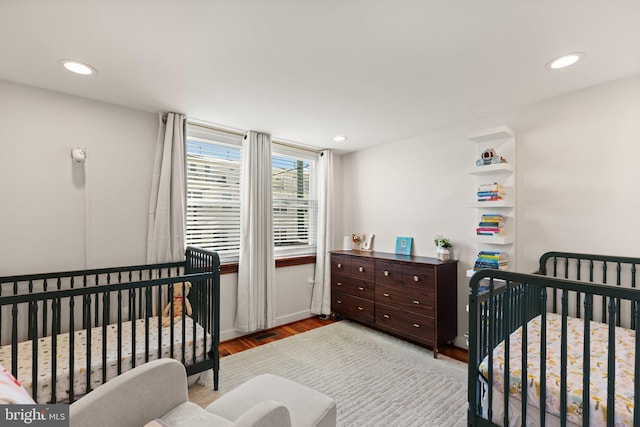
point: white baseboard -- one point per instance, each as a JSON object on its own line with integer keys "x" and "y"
{"x": 230, "y": 334}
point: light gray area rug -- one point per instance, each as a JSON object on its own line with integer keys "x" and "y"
{"x": 376, "y": 379}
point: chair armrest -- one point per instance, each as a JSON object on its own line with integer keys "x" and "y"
{"x": 125, "y": 401}
{"x": 265, "y": 414}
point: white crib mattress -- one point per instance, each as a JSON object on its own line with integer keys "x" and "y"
{"x": 44, "y": 379}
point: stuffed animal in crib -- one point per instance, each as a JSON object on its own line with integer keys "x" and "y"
{"x": 180, "y": 292}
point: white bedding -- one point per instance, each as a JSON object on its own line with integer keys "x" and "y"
{"x": 44, "y": 379}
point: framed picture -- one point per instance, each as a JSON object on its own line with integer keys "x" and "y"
{"x": 403, "y": 245}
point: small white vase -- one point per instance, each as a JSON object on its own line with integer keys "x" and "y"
{"x": 443, "y": 254}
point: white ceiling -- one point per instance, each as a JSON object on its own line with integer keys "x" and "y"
{"x": 307, "y": 70}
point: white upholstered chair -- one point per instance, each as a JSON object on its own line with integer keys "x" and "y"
{"x": 156, "y": 393}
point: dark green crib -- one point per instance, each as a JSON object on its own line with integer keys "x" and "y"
{"x": 566, "y": 286}
{"x": 69, "y": 328}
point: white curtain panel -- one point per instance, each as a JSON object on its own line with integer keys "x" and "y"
{"x": 321, "y": 297}
{"x": 256, "y": 265}
{"x": 167, "y": 207}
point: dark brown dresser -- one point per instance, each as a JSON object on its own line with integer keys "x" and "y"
{"x": 411, "y": 297}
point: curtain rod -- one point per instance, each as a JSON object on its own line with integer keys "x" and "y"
{"x": 241, "y": 133}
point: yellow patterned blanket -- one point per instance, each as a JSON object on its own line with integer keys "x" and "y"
{"x": 624, "y": 374}
{"x": 44, "y": 379}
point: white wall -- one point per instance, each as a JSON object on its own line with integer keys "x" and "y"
{"x": 56, "y": 215}
{"x": 53, "y": 209}
{"x": 578, "y": 182}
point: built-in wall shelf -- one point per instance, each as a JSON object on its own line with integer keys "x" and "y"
{"x": 497, "y": 133}
{"x": 495, "y": 240}
{"x": 499, "y": 178}
{"x": 506, "y": 203}
{"x": 491, "y": 169}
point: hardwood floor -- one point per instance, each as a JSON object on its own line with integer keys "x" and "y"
{"x": 263, "y": 337}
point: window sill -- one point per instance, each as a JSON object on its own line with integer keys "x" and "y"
{"x": 232, "y": 267}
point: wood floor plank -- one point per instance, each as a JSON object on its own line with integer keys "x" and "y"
{"x": 256, "y": 339}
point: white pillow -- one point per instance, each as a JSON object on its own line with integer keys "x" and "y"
{"x": 11, "y": 392}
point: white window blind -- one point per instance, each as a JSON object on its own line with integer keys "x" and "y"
{"x": 294, "y": 201}
{"x": 213, "y": 191}
{"x": 213, "y": 195}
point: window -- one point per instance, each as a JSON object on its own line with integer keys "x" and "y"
{"x": 213, "y": 191}
{"x": 213, "y": 195}
{"x": 295, "y": 204}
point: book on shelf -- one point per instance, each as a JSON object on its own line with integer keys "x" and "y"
{"x": 494, "y": 224}
{"x": 492, "y": 217}
{"x": 490, "y": 187}
{"x": 493, "y": 260}
{"x": 489, "y": 193}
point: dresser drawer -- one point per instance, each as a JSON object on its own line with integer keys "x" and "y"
{"x": 388, "y": 272}
{"x": 362, "y": 268}
{"x": 354, "y": 286}
{"x": 352, "y": 307}
{"x": 340, "y": 264}
{"x": 408, "y": 299}
{"x": 419, "y": 277}
{"x": 418, "y": 327}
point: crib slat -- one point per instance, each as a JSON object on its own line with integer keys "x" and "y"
{"x": 14, "y": 341}
{"x": 45, "y": 325}
{"x": 132, "y": 303}
{"x": 563, "y": 360}
{"x": 55, "y": 314}
{"x": 33, "y": 308}
{"x": 171, "y": 319}
{"x": 88, "y": 343}
{"x": 71, "y": 349}
{"x": 586, "y": 360}
{"x": 634, "y": 319}
{"x": 183, "y": 329}
{"x": 491, "y": 344}
{"x": 105, "y": 322}
{"x": 611, "y": 365}
{"x": 119, "y": 332}
{"x": 578, "y": 305}
{"x": 543, "y": 357}
{"x": 507, "y": 353}
{"x": 147, "y": 310}
{"x": 636, "y": 383}
{"x": 525, "y": 346}
{"x": 159, "y": 312}
{"x": 604, "y": 298}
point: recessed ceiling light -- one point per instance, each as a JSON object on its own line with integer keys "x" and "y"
{"x": 339, "y": 138}
{"x": 78, "y": 67}
{"x": 565, "y": 60}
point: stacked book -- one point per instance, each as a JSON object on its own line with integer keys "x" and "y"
{"x": 490, "y": 225}
{"x": 490, "y": 192}
{"x": 491, "y": 260}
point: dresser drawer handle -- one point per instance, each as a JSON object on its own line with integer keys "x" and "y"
{"x": 360, "y": 288}
{"x": 416, "y": 278}
{"x": 360, "y": 308}
{"x": 339, "y": 301}
{"x": 386, "y": 273}
{"x": 415, "y": 301}
{"x": 339, "y": 265}
{"x": 339, "y": 283}
{"x": 386, "y": 316}
{"x": 361, "y": 269}
{"x": 386, "y": 295}
{"x": 415, "y": 325}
